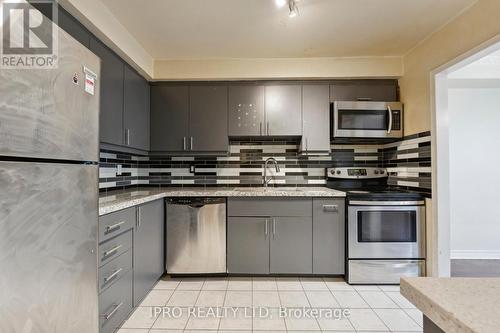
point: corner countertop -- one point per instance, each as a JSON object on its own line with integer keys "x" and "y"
{"x": 456, "y": 304}
{"x": 117, "y": 200}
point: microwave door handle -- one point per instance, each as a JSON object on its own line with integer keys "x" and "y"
{"x": 389, "y": 110}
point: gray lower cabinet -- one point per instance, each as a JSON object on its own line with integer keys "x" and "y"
{"x": 328, "y": 236}
{"x": 111, "y": 88}
{"x": 149, "y": 244}
{"x": 169, "y": 118}
{"x": 208, "y": 118}
{"x": 115, "y": 304}
{"x": 135, "y": 110}
{"x": 291, "y": 245}
{"x": 316, "y": 118}
{"x": 246, "y": 110}
{"x": 283, "y": 106}
{"x": 364, "y": 90}
{"x": 286, "y": 236}
{"x": 131, "y": 260}
{"x": 248, "y": 245}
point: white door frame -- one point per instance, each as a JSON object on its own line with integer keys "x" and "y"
{"x": 440, "y": 257}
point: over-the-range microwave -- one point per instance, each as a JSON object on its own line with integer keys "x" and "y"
{"x": 367, "y": 120}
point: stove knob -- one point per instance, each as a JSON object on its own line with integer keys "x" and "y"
{"x": 375, "y": 172}
{"x": 338, "y": 172}
{"x": 382, "y": 172}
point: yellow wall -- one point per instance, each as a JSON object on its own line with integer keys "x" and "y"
{"x": 478, "y": 24}
{"x": 276, "y": 68}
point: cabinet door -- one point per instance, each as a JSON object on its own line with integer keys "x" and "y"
{"x": 149, "y": 244}
{"x": 246, "y": 110}
{"x": 169, "y": 118}
{"x": 316, "y": 118}
{"x": 208, "y": 118}
{"x": 73, "y": 27}
{"x": 373, "y": 90}
{"x": 291, "y": 245}
{"x": 283, "y": 110}
{"x": 248, "y": 245}
{"x": 136, "y": 110}
{"x": 328, "y": 236}
{"x": 111, "y": 110}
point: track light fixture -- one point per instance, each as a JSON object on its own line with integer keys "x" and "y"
{"x": 292, "y": 6}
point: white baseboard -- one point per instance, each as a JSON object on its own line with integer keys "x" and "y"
{"x": 475, "y": 254}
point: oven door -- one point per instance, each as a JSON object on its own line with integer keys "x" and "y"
{"x": 368, "y": 120}
{"x": 386, "y": 230}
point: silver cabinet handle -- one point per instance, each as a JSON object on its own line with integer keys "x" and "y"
{"x": 128, "y": 137}
{"x": 112, "y": 312}
{"x": 139, "y": 216}
{"x": 330, "y": 208}
{"x": 274, "y": 227}
{"x": 110, "y": 228}
{"x": 112, "y": 276}
{"x": 111, "y": 251}
{"x": 268, "y": 128}
{"x": 191, "y": 144}
{"x": 266, "y": 228}
{"x": 307, "y": 144}
{"x": 184, "y": 143}
{"x": 389, "y": 110}
{"x": 260, "y": 128}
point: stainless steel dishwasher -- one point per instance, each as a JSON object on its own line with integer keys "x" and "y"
{"x": 196, "y": 235}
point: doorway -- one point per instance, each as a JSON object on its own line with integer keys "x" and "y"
{"x": 466, "y": 144}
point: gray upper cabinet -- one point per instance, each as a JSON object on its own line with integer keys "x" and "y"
{"x": 111, "y": 110}
{"x": 136, "y": 110}
{"x": 208, "y": 118}
{"x": 328, "y": 236}
{"x": 248, "y": 245}
{"x": 364, "y": 90}
{"x": 169, "y": 118}
{"x": 246, "y": 110}
{"x": 283, "y": 105}
{"x": 316, "y": 118}
{"x": 291, "y": 245}
{"x": 148, "y": 248}
{"x": 73, "y": 27}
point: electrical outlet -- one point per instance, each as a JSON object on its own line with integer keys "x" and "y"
{"x": 119, "y": 170}
{"x": 192, "y": 169}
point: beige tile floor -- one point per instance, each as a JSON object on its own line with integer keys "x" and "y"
{"x": 372, "y": 308}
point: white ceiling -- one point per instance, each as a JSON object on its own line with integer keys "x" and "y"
{"x": 208, "y": 29}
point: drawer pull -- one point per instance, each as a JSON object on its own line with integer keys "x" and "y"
{"x": 112, "y": 312}
{"x": 111, "y": 228}
{"x": 112, "y": 276}
{"x": 112, "y": 251}
{"x": 331, "y": 208}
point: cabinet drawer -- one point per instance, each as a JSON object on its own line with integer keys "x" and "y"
{"x": 115, "y": 303}
{"x": 114, "y": 270}
{"x": 114, "y": 247}
{"x": 115, "y": 223}
{"x": 269, "y": 207}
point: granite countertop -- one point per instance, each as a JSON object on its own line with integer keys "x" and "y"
{"x": 456, "y": 304}
{"x": 114, "y": 201}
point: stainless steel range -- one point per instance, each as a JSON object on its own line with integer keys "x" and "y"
{"x": 385, "y": 227}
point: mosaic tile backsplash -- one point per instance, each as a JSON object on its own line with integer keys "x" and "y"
{"x": 408, "y": 162}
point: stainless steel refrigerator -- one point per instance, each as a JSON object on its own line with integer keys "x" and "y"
{"x": 49, "y": 147}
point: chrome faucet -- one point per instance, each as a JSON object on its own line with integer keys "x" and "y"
{"x": 273, "y": 160}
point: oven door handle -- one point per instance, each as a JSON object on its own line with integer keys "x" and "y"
{"x": 389, "y": 110}
{"x": 386, "y": 203}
